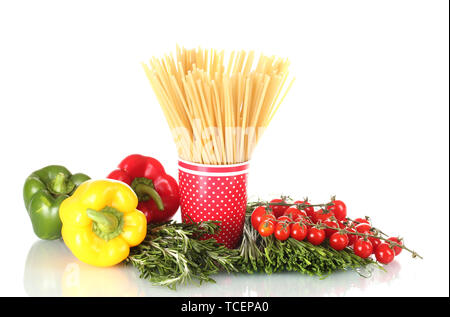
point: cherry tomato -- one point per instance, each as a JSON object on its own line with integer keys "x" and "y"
{"x": 363, "y": 228}
{"x": 299, "y": 231}
{"x": 351, "y": 237}
{"x": 284, "y": 218}
{"x": 322, "y": 215}
{"x": 309, "y": 210}
{"x": 363, "y": 248}
{"x": 338, "y": 209}
{"x": 329, "y": 232}
{"x": 282, "y": 231}
{"x": 278, "y": 210}
{"x": 397, "y": 250}
{"x": 375, "y": 243}
{"x": 338, "y": 241}
{"x": 316, "y": 235}
{"x": 293, "y": 213}
{"x": 361, "y": 220}
{"x": 304, "y": 219}
{"x": 257, "y": 216}
{"x": 266, "y": 227}
{"x": 384, "y": 253}
{"x": 269, "y": 216}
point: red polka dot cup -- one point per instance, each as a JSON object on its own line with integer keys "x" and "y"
{"x": 215, "y": 192}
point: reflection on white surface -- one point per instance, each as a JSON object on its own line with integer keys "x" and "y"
{"x": 51, "y": 270}
{"x": 43, "y": 268}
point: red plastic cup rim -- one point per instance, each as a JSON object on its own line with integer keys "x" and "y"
{"x": 215, "y": 170}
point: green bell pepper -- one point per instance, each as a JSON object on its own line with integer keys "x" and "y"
{"x": 43, "y": 192}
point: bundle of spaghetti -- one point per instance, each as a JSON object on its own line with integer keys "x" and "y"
{"x": 218, "y": 106}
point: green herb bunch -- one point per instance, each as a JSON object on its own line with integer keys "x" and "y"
{"x": 269, "y": 255}
{"x": 174, "y": 253}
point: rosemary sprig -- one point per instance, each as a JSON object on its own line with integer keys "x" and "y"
{"x": 172, "y": 254}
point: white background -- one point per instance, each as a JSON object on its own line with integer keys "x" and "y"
{"x": 367, "y": 119}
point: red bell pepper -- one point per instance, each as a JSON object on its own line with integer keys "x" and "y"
{"x": 158, "y": 193}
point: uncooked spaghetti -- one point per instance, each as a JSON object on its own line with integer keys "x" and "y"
{"x": 217, "y": 107}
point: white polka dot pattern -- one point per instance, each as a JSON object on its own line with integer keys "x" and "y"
{"x": 212, "y": 196}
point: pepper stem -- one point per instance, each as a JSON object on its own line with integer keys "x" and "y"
{"x": 61, "y": 185}
{"x": 107, "y": 223}
{"x": 143, "y": 189}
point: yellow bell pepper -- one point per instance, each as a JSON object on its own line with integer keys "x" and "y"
{"x": 100, "y": 222}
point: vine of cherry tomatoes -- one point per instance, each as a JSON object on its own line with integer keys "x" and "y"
{"x": 300, "y": 221}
